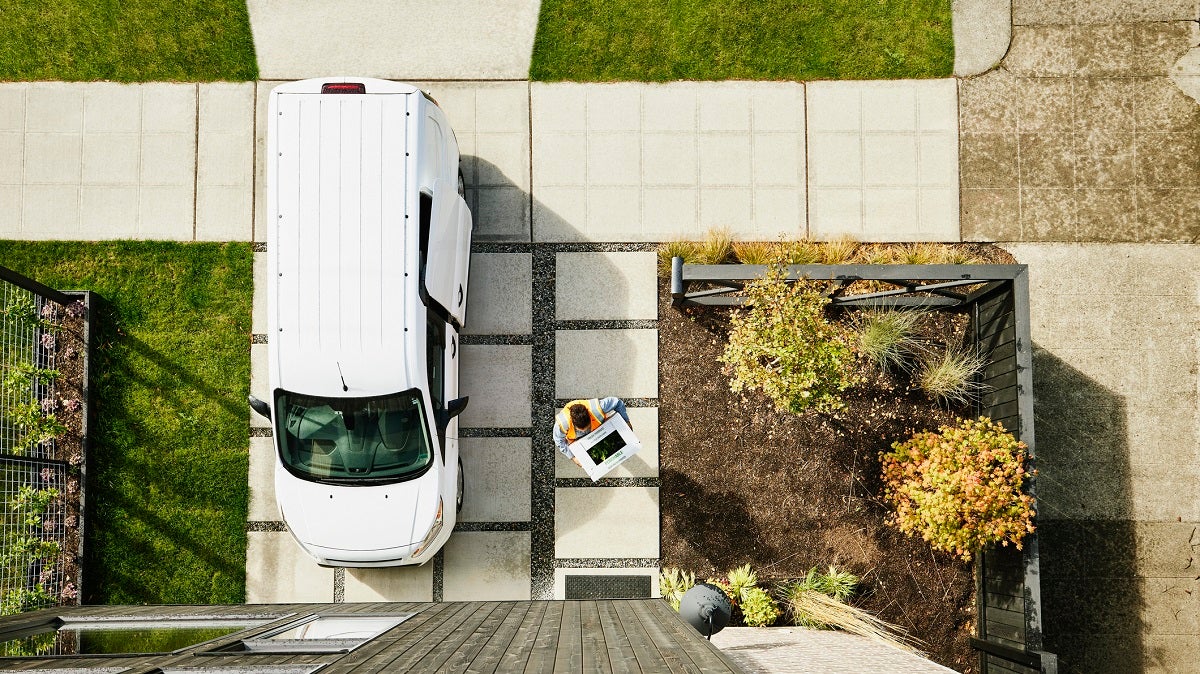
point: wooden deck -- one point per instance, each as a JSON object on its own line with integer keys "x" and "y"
{"x": 618, "y": 636}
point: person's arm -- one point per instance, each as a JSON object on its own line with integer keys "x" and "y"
{"x": 610, "y": 405}
{"x": 560, "y": 439}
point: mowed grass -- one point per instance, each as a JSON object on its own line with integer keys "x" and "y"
{"x": 167, "y": 492}
{"x": 656, "y": 40}
{"x": 126, "y": 40}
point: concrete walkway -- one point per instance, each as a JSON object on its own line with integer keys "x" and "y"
{"x": 795, "y": 650}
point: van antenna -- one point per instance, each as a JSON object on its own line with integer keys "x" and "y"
{"x": 339, "y": 364}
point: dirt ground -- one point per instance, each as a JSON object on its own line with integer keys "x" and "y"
{"x": 744, "y": 483}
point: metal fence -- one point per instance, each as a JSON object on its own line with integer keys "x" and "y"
{"x": 40, "y": 531}
{"x": 996, "y": 300}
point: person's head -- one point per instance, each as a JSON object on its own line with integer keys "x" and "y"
{"x": 580, "y": 417}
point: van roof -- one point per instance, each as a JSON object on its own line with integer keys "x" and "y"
{"x": 339, "y": 186}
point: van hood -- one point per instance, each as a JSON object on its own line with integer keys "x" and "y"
{"x": 358, "y": 518}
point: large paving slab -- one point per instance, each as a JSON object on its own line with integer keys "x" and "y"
{"x": 883, "y": 160}
{"x": 601, "y": 363}
{"x": 263, "y": 507}
{"x": 1082, "y": 135}
{"x": 653, "y": 162}
{"x": 606, "y": 522}
{"x": 259, "y": 382}
{"x": 606, "y": 286}
{"x": 496, "y": 473}
{"x": 397, "y": 583}
{"x": 982, "y": 30}
{"x": 278, "y": 571}
{"x": 395, "y": 39}
{"x": 102, "y": 160}
{"x": 499, "y": 295}
{"x": 487, "y": 566}
{"x": 258, "y": 315}
{"x": 1116, "y": 423}
{"x": 498, "y": 381}
{"x": 644, "y": 421}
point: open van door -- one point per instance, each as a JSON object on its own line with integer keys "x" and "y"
{"x": 449, "y": 256}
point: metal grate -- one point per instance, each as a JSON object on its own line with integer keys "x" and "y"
{"x": 580, "y": 586}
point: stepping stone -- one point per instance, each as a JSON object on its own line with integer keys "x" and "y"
{"x": 606, "y": 522}
{"x": 278, "y": 571}
{"x": 225, "y": 161}
{"x": 642, "y": 464}
{"x": 496, "y": 472}
{"x": 606, "y": 286}
{"x": 395, "y": 583}
{"x": 599, "y": 363}
{"x": 594, "y": 580}
{"x": 982, "y": 30}
{"x": 259, "y": 383}
{"x": 499, "y": 298}
{"x": 258, "y": 316}
{"x": 263, "y": 506}
{"x": 487, "y": 566}
{"x": 497, "y": 378}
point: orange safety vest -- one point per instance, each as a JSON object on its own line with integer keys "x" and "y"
{"x": 594, "y": 411}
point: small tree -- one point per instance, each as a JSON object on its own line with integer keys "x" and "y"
{"x": 960, "y": 488}
{"x": 782, "y": 345}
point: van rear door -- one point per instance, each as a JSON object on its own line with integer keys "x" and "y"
{"x": 449, "y": 252}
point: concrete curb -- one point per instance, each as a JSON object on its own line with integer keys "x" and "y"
{"x": 982, "y": 32}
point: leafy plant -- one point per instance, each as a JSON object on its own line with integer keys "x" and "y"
{"x": 835, "y": 583}
{"x": 740, "y": 579}
{"x": 782, "y": 345}
{"x": 33, "y": 502}
{"x": 34, "y": 425}
{"x": 838, "y": 251}
{"x": 673, "y": 584}
{"x": 960, "y": 488}
{"x": 21, "y": 600}
{"x": 756, "y": 252}
{"x": 817, "y": 610}
{"x": 688, "y": 250}
{"x": 886, "y": 336}
{"x": 716, "y": 248}
{"x": 758, "y": 608}
{"x": 948, "y": 375}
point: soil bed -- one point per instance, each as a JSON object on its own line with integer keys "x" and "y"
{"x": 745, "y": 483}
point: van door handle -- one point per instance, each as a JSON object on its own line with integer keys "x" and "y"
{"x": 460, "y": 295}
{"x": 453, "y": 347}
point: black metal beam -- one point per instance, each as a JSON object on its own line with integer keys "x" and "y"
{"x": 879, "y": 272}
{"x": 1019, "y": 656}
{"x": 35, "y": 287}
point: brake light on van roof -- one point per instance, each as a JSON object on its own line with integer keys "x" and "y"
{"x": 343, "y": 88}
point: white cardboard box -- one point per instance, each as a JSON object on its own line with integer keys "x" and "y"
{"x": 614, "y": 424}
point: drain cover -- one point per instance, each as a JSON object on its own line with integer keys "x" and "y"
{"x": 608, "y": 587}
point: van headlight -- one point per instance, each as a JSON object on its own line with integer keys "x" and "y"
{"x": 433, "y": 531}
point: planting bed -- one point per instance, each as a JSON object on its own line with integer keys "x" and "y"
{"x": 745, "y": 483}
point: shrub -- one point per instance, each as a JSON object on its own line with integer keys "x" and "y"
{"x": 960, "y": 488}
{"x": 673, "y": 584}
{"x": 782, "y": 345}
{"x": 948, "y": 375}
{"x": 886, "y": 336}
{"x": 756, "y": 252}
{"x": 716, "y": 248}
{"x": 758, "y": 608}
{"x": 688, "y": 250}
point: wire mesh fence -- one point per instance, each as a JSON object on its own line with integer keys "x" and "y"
{"x": 39, "y": 490}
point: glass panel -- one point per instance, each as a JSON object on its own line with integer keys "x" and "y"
{"x": 361, "y": 628}
{"x": 156, "y": 636}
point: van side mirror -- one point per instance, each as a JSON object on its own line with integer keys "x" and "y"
{"x": 453, "y": 408}
{"x": 263, "y": 409}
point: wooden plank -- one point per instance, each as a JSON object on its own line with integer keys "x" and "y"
{"x": 489, "y": 655}
{"x": 1005, "y": 602}
{"x": 648, "y": 657}
{"x": 621, "y": 658}
{"x": 1004, "y": 616}
{"x": 544, "y": 649}
{"x": 412, "y": 655}
{"x": 700, "y": 650}
{"x": 595, "y": 649}
{"x": 668, "y": 648}
{"x": 465, "y": 641}
{"x": 378, "y": 654}
{"x": 1000, "y": 323}
{"x": 1013, "y": 634}
{"x": 569, "y": 657}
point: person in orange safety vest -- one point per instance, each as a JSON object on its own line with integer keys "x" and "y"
{"x": 580, "y": 417}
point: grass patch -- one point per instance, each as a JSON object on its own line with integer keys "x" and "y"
{"x": 127, "y": 41}
{"x": 654, "y": 41}
{"x": 167, "y": 493}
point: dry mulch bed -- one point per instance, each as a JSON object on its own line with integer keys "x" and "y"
{"x": 745, "y": 483}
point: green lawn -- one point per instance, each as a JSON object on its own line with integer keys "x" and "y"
{"x": 126, "y": 40}
{"x": 657, "y": 40}
{"x": 167, "y": 494}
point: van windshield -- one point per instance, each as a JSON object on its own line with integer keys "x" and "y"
{"x": 348, "y": 440}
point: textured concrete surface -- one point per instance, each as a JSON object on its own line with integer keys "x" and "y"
{"x": 498, "y": 380}
{"x": 259, "y": 382}
{"x": 258, "y": 315}
{"x": 487, "y": 566}
{"x": 405, "y": 39}
{"x": 606, "y": 286}
{"x": 263, "y": 507}
{"x": 401, "y": 583}
{"x": 496, "y": 473}
{"x": 1116, "y": 361}
{"x": 795, "y": 650}
{"x": 278, "y": 571}
{"x": 560, "y": 576}
{"x": 1082, "y": 136}
{"x": 225, "y": 161}
{"x": 652, "y": 162}
{"x": 982, "y": 30}
{"x": 644, "y": 421}
{"x": 609, "y": 522}
{"x": 883, "y": 160}
{"x": 1185, "y": 74}
{"x": 499, "y": 300}
{"x": 600, "y": 363}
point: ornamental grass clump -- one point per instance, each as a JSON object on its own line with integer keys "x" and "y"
{"x": 757, "y": 252}
{"x": 961, "y": 488}
{"x": 948, "y": 375}
{"x": 688, "y": 250}
{"x": 716, "y": 248}
{"x": 887, "y": 337}
{"x": 781, "y": 344}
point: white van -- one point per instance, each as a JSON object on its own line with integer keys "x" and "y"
{"x": 368, "y": 244}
